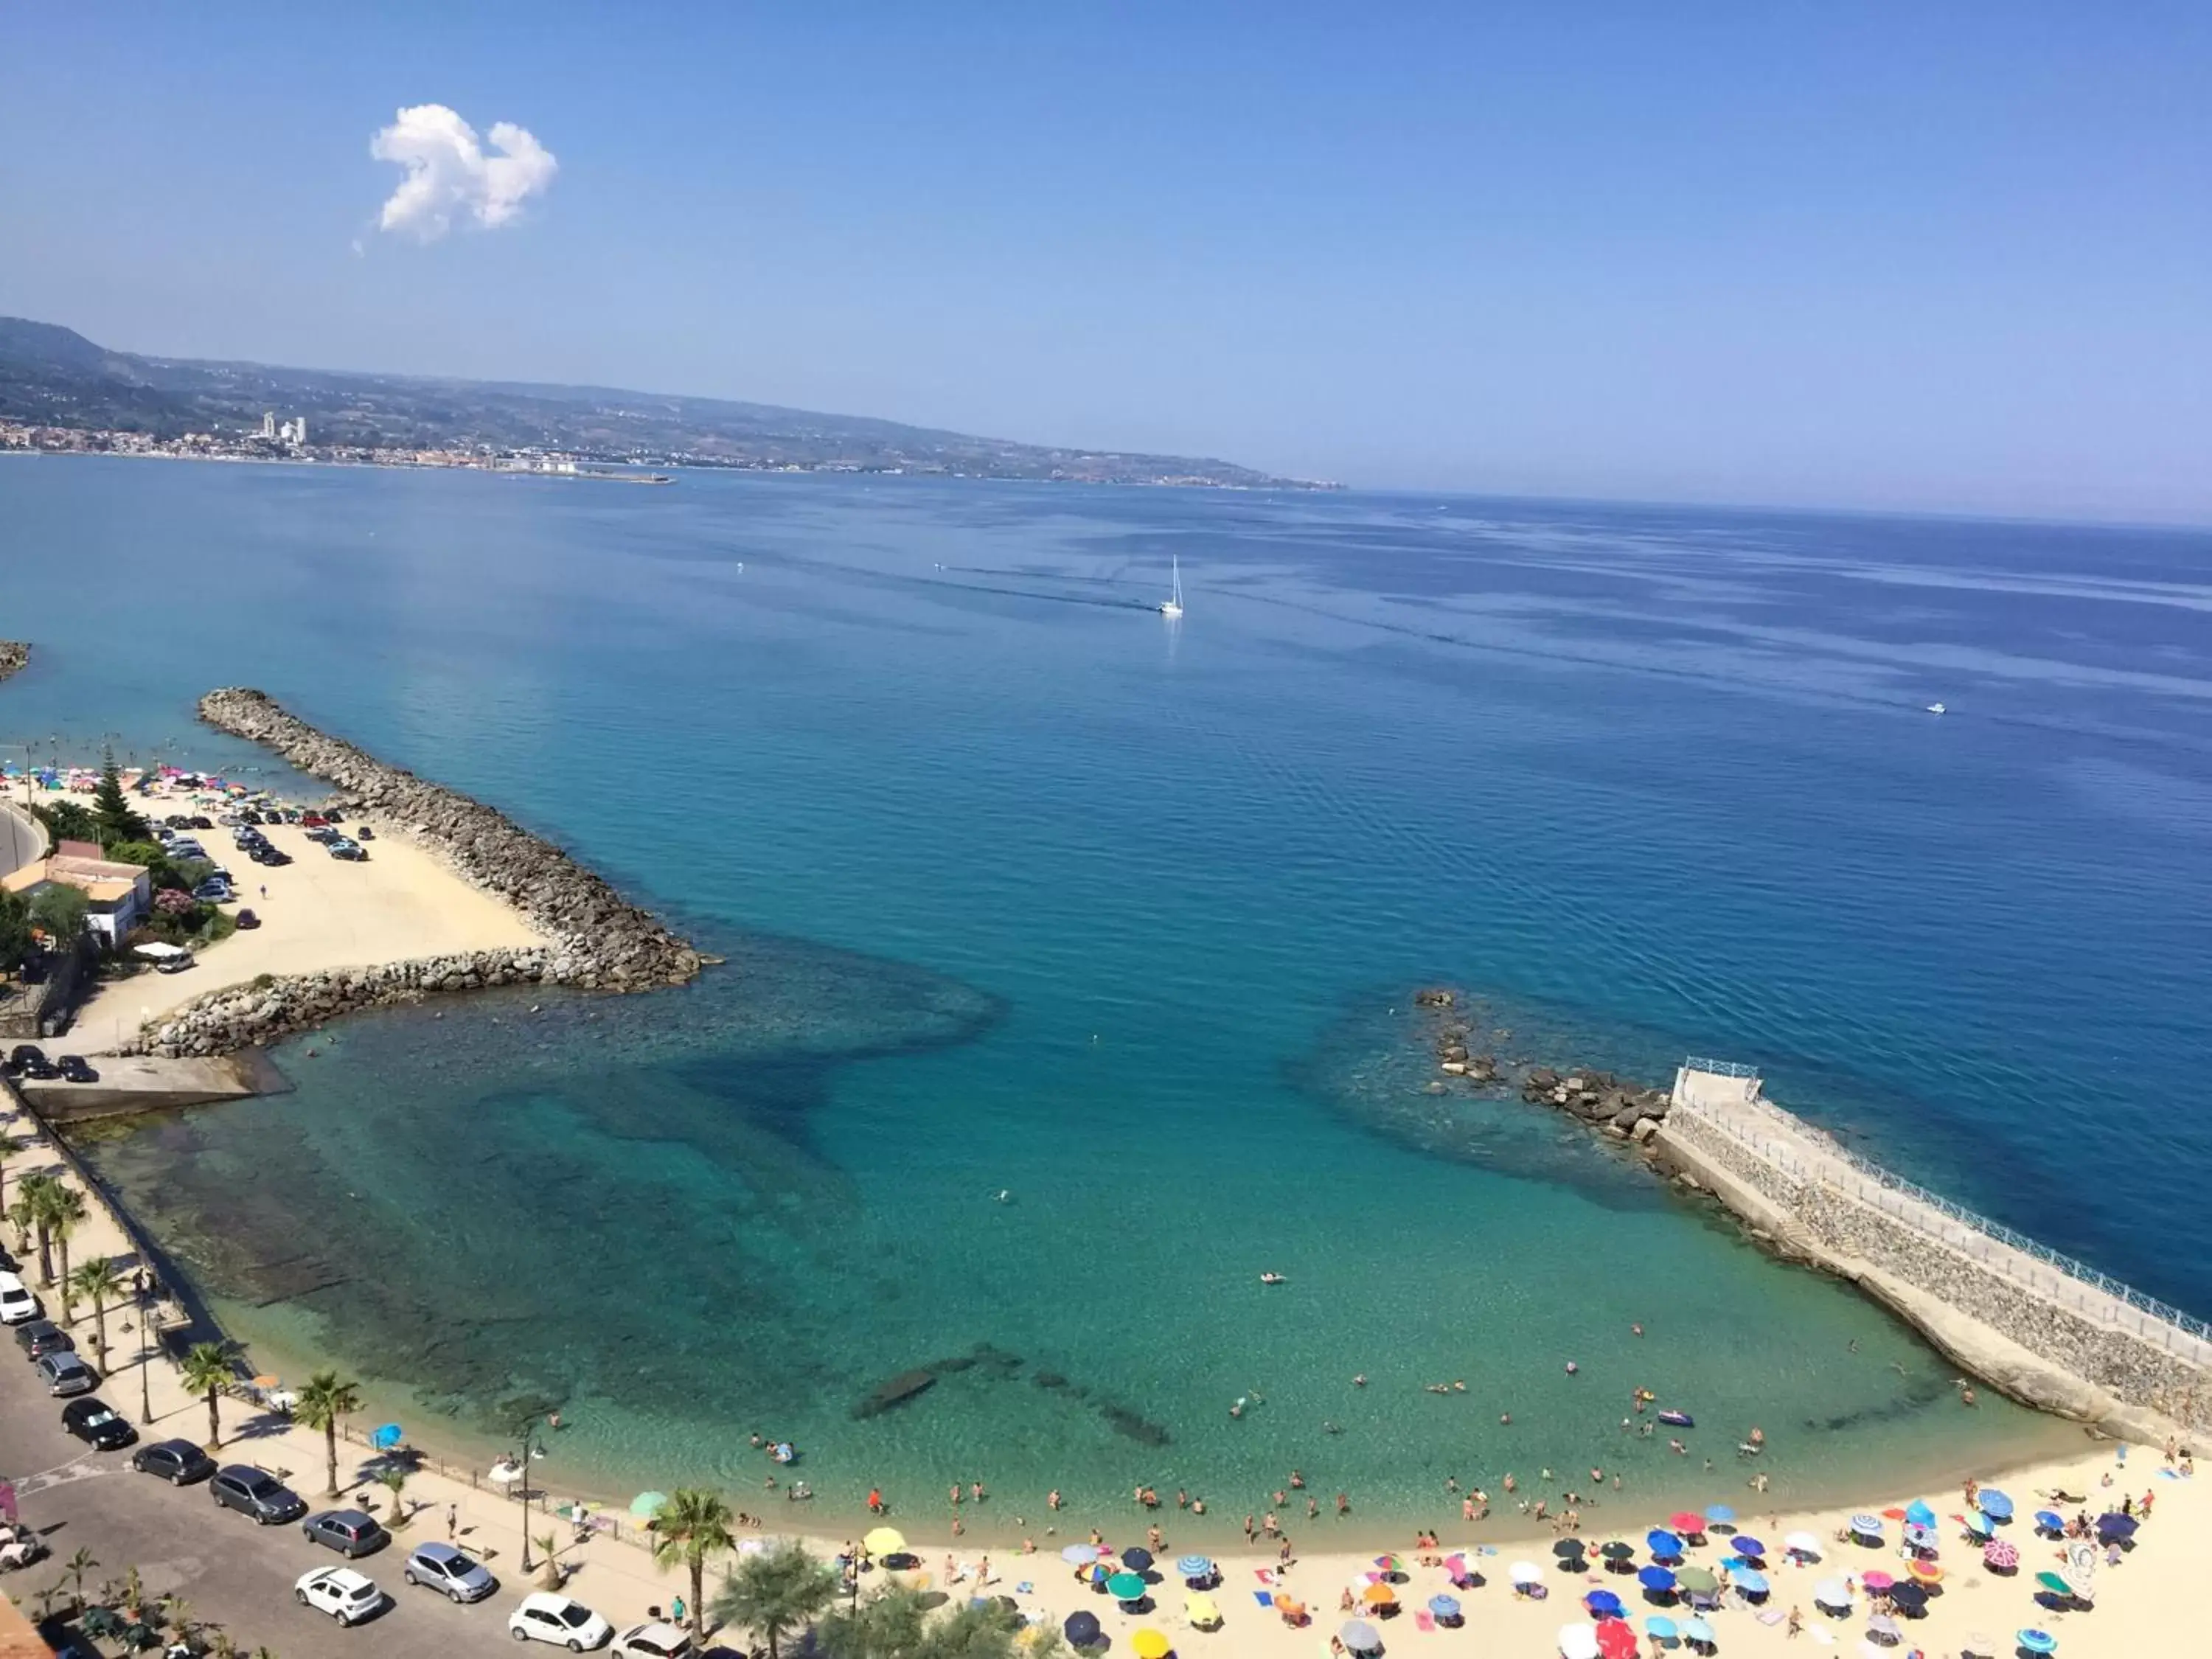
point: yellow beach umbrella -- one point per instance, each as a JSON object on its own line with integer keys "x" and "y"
{"x": 885, "y": 1540}
{"x": 1201, "y": 1611}
{"x": 1149, "y": 1643}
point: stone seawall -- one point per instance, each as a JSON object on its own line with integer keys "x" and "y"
{"x": 598, "y": 939}
{"x": 14, "y": 654}
{"x": 2022, "y": 1338}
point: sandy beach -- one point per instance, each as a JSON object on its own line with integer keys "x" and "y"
{"x": 316, "y": 913}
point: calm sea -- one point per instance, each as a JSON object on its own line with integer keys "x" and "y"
{"x": 1070, "y": 951}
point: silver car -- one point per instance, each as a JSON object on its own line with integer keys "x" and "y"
{"x": 63, "y": 1372}
{"x": 449, "y": 1572}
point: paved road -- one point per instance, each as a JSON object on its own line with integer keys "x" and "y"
{"x": 233, "y": 1572}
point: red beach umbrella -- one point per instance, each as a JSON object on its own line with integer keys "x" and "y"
{"x": 1616, "y": 1639}
{"x": 1895, "y": 1514}
{"x": 1687, "y": 1524}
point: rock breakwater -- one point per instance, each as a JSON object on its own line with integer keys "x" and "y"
{"x": 14, "y": 654}
{"x": 597, "y": 940}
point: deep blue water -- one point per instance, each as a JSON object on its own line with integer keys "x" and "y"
{"x": 1032, "y": 890}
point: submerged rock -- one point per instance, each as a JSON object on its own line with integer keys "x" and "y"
{"x": 896, "y": 1391}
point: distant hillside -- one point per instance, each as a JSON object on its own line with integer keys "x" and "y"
{"x": 53, "y": 376}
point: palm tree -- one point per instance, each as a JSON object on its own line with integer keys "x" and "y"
{"x": 884, "y": 1626}
{"x": 76, "y": 1566}
{"x": 774, "y": 1593}
{"x": 32, "y": 1202}
{"x": 10, "y": 1145}
{"x": 65, "y": 1209}
{"x": 207, "y": 1370}
{"x": 175, "y": 1614}
{"x": 394, "y": 1481}
{"x": 97, "y": 1282}
{"x": 24, "y": 1214}
{"x": 690, "y": 1527}
{"x": 321, "y": 1404}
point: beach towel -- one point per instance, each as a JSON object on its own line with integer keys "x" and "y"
{"x": 1263, "y": 1598}
{"x": 1265, "y": 1575}
{"x": 1771, "y": 1616}
{"x": 1424, "y": 1621}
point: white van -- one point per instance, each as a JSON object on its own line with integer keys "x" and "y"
{"x": 17, "y": 1304}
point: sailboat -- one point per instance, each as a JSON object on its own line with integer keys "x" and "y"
{"x": 1173, "y": 607}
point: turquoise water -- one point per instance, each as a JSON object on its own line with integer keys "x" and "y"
{"x": 1028, "y": 891}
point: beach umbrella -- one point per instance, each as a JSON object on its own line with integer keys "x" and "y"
{"x": 1928, "y": 1572}
{"x": 1526, "y": 1572}
{"x": 890, "y": 1540}
{"x": 1803, "y": 1544}
{"x": 1196, "y": 1566}
{"x": 1877, "y": 1582}
{"x": 647, "y": 1504}
{"x": 1616, "y": 1640}
{"x": 1293, "y": 1610}
{"x": 1603, "y": 1604}
{"x": 1444, "y": 1606}
{"x": 1698, "y": 1579}
{"x": 1882, "y": 1625}
{"x": 2116, "y": 1525}
{"x": 2000, "y": 1555}
{"x": 1136, "y": 1560}
{"x": 1995, "y": 1504}
{"x": 1150, "y": 1644}
{"x": 2037, "y": 1641}
{"x": 1617, "y": 1550}
{"x": 1661, "y": 1628}
{"x": 1096, "y": 1573}
{"x": 1567, "y": 1549}
{"x": 1697, "y": 1630}
{"x": 1720, "y": 1515}
{"x": 1081, "y": 1629}
{"x": 1379, "y": 1595}
{"x": 2050, "y": 1522}
{"x": 1664, "y": 1544}
{"x": 1907, "y": 1598}
{"x": 1201, "y": 1611}
{"x": 1360, "y": 1636}
{"x": 1076, "y": 1555}
{"x": 1578, "y": 1642}
{"x": 1748, "y": 1546}
{"x": 1689, "y": 1525}
{"x": 1125, "y": 1587}
{"x": 1978, "y": 1525}
{"x": 1921, "y": 1538}
{"x": 2056, "y": 1583}
{"x": 1751, "y": 1584}
{"x": 1658, "y": 1580}
{"x": 1392, "y": 1564}
{"x": 1832, "y": 1593}
{"x": 1866, "y": 1526}
{"x": 384, "y": 1438}
{"x": 1917, "y": 1514}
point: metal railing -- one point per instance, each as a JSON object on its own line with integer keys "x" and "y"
{"x": 1973, "y": 1234}
{"x": 1719, "y": 1067}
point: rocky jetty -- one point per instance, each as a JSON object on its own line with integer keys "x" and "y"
{"x": 13, "y": 655}
{"x": 598, "y": 939}
{"x": 1616, "y": 1106}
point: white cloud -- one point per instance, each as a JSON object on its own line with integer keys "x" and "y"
{"x": 449, "y": 177}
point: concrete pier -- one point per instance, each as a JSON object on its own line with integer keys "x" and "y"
{"x": 2049, "y": 1331}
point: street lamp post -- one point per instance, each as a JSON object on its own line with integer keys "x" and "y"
{"x": 530, "y": 1437}
{"x": 145, "y": 1357}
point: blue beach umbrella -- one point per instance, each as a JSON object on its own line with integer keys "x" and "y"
{"x": 1444, "y": 1606}
{"x": 385, "y": 1438}
{"x": 1658, "y": 1580}
{"x": 1751, "y": 1584}
{"x": 1662, "y": 1628}
{"x": 1995, "y": 1504}
{"x": 1749, "y": 1547}
{"x": 1917, "y": 1514}
{"x": 1981, "y": 1525}
{"x": 1921, "y": 1537}
{"x": 2045, "y": 1521}
{"x": 1080, "y": 1555}
{"x": 1604, "y": 1603}
{"x": 1697, "y": 1630}
{"x": 1196, "y": 1566}
{"x": 1664, "y": 1544}
{"x": 2116, "y": 1525}
{"x": 1081, "y": 1628}
{"x": 1721, "y": 1516}
{"x": 2037, "y": 1641}
{"x": 1866, "y": 1526}
{"x": 1136, "y": 1560}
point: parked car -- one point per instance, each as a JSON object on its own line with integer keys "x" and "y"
{"x": 175, "y": 964}
{"x": 42, "y": 1337}
{"x": 23, "y": 1055}
{"x": 353, "y": 852}
{"x": 364, "y": 834}
{"x": 248, "y": 920}
{"x": 212, "y": 891}
{"x": 348, "y": 1597}
{"x": 17, "y": 1304}
{"x": 654, "y": 1641}
{"x": 181, "y": 848}
{"x": 64, "y": 1372}
{"x": 93, "y": 1421}
{"x": 349, "y": 1532}
{"x": 314, "y": 820}
{"x": 255, "y": 1492}
{"x": 451, "y": 1572}
{"x": 179, "y": 1462}
{"x": 74, "y": 1068}
{"x": 544, "y": 1617}
{"x": 197, "y": 822}
{"x": 324, "y": 833}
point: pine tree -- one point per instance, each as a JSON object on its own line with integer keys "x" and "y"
{"x": 112, "y": 807}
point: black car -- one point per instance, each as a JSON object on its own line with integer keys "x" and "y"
{"x": 256, "y": 1492}
{"x": 73, "y": 1069}
{"x": 349, "y": 1532}
{"x": 39, "y": 1070}
{"x": 179, "y": 1462}
{"x": 200, "y": 823}
{"x": 40, "y": 1337}
{"x": 365, "y": 833}
{"x": 25, "y": 1054}
{"x": 246, "y": 920}
{"x": 94, "y": 1420}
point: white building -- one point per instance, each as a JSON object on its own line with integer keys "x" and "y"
{"x": 268, "y": 422}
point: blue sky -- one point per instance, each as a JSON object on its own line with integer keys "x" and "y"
{"x": 1955, "y": 257}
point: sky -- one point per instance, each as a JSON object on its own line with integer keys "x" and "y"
{"x": 1953, "y": 257}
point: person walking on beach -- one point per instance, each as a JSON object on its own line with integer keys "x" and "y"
{"x": 453, "y": 1521}
{"x": 1797, "y": 1622}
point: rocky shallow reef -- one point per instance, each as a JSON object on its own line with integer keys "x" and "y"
{"x": 598, "y": 939}
{"x": 14, "y": 656}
